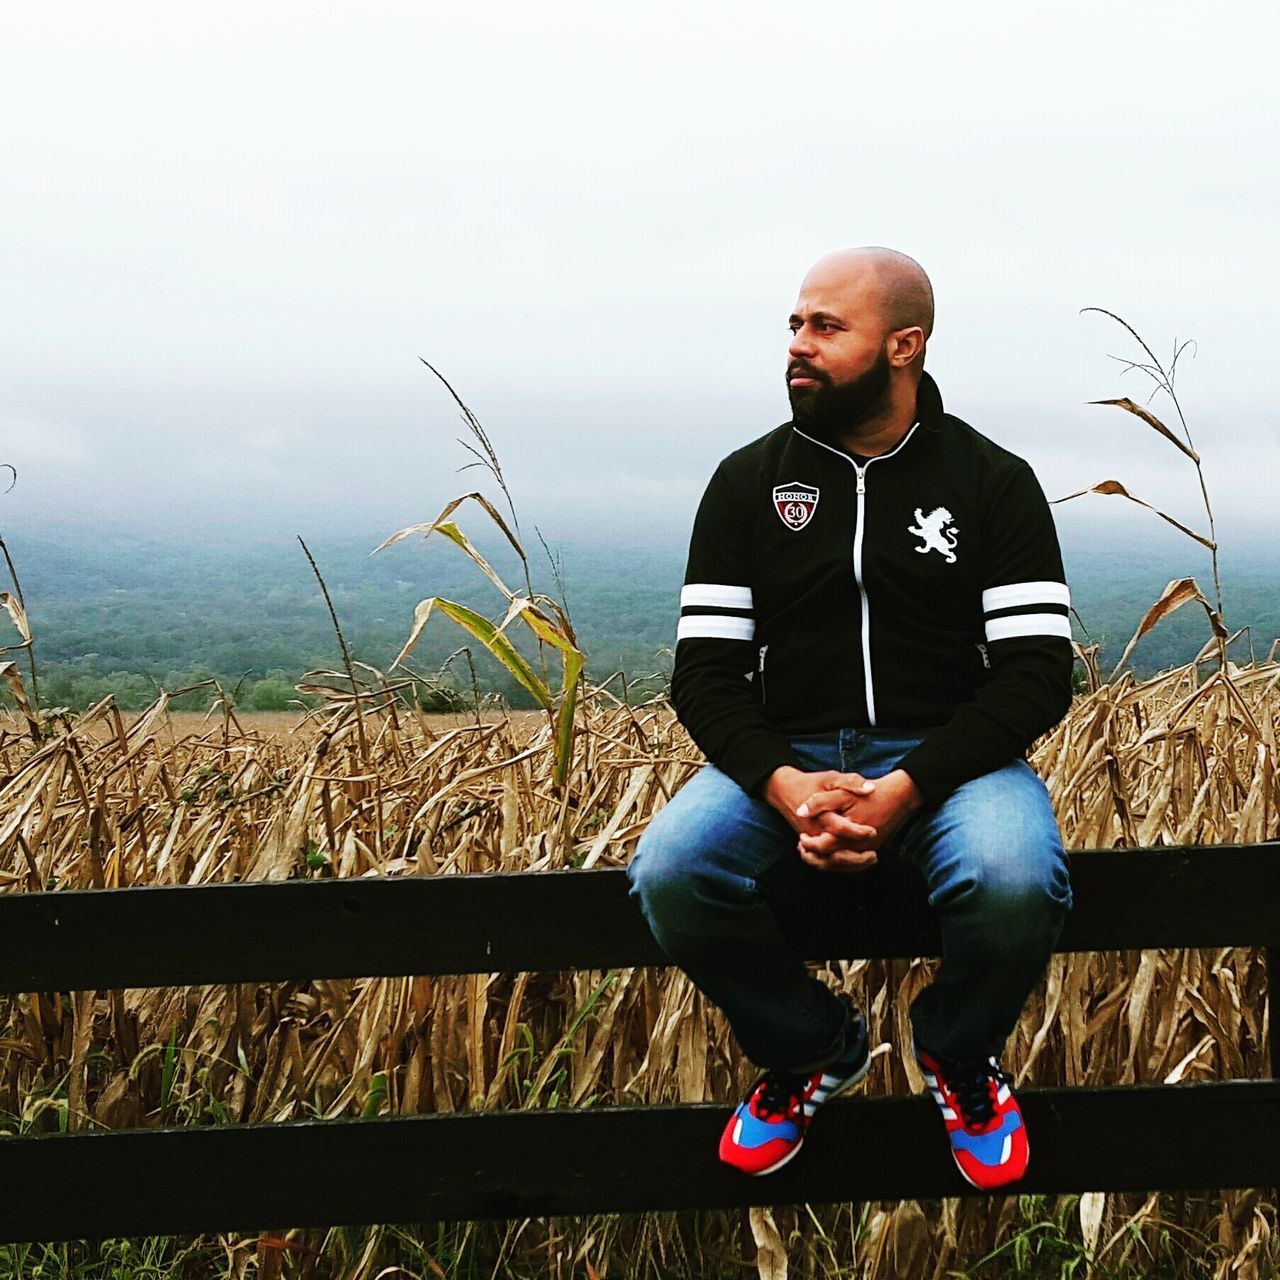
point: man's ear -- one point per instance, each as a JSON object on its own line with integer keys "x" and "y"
{"x": 905, "y": 346}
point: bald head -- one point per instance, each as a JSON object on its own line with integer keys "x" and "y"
{"x": 894, "y": 284}
{"x": 858, "y": 336}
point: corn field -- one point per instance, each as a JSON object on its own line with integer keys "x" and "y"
{"x": 89, "y": 801}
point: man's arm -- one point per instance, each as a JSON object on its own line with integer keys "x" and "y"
{"x": 1028, "y": 643}
{"x": 710, "y": 689}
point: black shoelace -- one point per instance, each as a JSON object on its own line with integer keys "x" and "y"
{"x": 975, "y": 1089}
{"x": 781, "y": 1089}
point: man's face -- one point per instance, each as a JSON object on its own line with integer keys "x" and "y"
{"x": 837, "y": 362}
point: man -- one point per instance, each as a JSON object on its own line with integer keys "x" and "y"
{"x": 873, "y": 630}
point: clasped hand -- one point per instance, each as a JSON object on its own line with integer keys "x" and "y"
{"x": 841, "y": 818}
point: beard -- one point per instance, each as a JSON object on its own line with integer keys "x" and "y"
{"x": 829, "y": 411}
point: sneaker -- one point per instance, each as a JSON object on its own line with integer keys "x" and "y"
{"x": 769, "y": 1125}
{"x": 988, "y": 1136}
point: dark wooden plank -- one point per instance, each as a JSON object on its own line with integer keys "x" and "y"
{"x": 297, "y": 930}
{"x": 1215, "y": 896}
{"x": 511, "y": 1165}
{"x": 173, "y": 936}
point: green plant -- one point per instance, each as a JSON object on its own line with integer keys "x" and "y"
{"x": 545, "y": 618}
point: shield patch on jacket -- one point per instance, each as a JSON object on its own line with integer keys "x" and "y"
{"x": 795, "y": 504}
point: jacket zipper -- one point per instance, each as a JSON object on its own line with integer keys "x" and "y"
{"x": 860, "y": 472}
{"x": 764, "y": 648}
{"x": 862, "y": 590}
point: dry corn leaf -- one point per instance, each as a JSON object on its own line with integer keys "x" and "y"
{"x": 13, "y": 607}
{"x": 1152, "y": 421}
{"x": 1179, "y": 592}
{"x": 1116, "y": 488}
{"x": 1093, "y": 1205}
{"x": 771, "y": 1253}
{"x": 9, "y": 670}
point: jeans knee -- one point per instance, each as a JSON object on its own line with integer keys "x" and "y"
{"x": 646, "y": 873}
{"x": 682, "y": 889}
{"x": 659, "y": 880}
{"x": 1000, "y": 846}
{"x": 1020, "y": 898}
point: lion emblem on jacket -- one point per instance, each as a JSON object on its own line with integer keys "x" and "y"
{"x": 936, "y": 532}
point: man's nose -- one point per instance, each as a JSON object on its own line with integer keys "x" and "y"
{"x": 801, "y": 343}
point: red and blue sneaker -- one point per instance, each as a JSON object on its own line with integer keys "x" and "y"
{"x": 769, "y": 1125}
{"x": 988, "y": 1136}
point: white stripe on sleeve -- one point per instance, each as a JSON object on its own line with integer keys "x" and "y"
{"x": 714, "y": 626}
{"x": 716, "y": 595}
{"x": 1016, "y": 593}
{"x": 1028, "y": 624}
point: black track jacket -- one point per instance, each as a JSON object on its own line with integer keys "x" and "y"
{"x": 921, "y": 589}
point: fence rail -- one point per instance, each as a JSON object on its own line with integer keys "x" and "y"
{"x": 159, "y": 936}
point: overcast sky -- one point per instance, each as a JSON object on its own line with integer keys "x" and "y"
{"x": 227, "y": 233}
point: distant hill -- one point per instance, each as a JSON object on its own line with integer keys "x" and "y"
{"x": 125, "y": 613}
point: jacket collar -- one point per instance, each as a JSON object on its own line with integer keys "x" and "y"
{"x": 929, "y": 403}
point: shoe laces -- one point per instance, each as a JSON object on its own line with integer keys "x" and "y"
{"x": 975, "y": 1086}
{"x": 778, "y": 1091}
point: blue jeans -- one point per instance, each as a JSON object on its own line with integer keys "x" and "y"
{"x": 991, "y": 860}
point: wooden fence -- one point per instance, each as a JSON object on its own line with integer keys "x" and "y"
{"x": 601, "y": 1159}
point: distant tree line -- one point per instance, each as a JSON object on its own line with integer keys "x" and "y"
{"x": 127, "y": 617}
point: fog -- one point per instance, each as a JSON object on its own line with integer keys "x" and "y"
{"x": 228, "y": 236}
